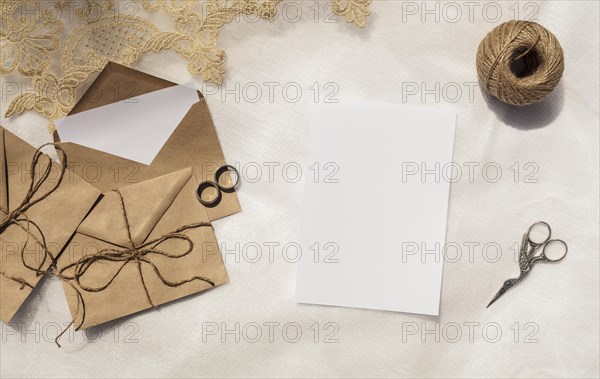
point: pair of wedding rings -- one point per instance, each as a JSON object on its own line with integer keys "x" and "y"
{"x": 218, "y": 187}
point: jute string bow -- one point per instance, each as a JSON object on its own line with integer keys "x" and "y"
{"x": 34, "y": 186}
{"x": 18, "y": 218}
{"x": 137, "y": 254}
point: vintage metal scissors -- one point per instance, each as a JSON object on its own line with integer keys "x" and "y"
{"x": 533, "y": 250}
{"x": 218, "y": 186}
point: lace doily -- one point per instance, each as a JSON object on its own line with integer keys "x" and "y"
{"x": 32, "y": 32}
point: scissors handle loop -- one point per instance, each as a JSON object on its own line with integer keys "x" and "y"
{"x": 537, "y": 224}
{"x": 545, "y": 257}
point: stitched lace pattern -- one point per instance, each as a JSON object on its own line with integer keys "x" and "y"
{"x": 34, "y": 35}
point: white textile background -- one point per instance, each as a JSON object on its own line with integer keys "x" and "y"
{"x": 547, "y": 156}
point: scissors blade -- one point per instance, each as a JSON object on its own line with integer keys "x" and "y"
{"x": 523, "y": 251}
{"x": 497, "y": 296}
{"x": 524, "y": 244}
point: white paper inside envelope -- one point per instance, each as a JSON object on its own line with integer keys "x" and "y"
{"x": 135, "y": 128}
{"x": 375, "y": 217}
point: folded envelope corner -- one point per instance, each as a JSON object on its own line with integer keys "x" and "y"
{"x": 143, "y": 204}
{"x": 194, "y": 142}
{"x": 43, "y": 204}
{"x": 3, "y": 176}
{"x": 179, "y": 257}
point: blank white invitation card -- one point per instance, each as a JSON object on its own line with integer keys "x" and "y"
{"x": 136, "y": 128}
{"x": 375, "y": 207}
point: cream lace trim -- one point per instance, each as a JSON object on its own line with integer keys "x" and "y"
{"x": 120, "y": 31}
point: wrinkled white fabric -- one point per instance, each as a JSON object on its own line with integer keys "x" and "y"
{"x": 548, "y": 156}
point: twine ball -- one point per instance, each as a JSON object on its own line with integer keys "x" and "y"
{"x": 520, "y": 62}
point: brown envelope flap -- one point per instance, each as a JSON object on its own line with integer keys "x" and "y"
{"x": 145, "y": 204}
{"x": 3, "y": 175}
{"x": 131, "y": 83}
{"x": 193, "y": 143}
{"x": 18, "y": 155}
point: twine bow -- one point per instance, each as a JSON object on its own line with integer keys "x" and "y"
{"x": 137, "y": 254}
{"x": 19, "y": 218}
{"x": 41, "y": 241}
{"x": 34, "y": 186}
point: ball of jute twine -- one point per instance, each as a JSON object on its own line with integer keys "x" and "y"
{"x": 520, "y": 62}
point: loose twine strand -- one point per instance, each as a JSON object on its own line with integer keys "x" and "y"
{"x": 34, "y": 185}
{"x": 18, "y": 217}
{"x": 525, "y": 42}
{"x": 134, "y": 253}
{"x": 137, "y": 254}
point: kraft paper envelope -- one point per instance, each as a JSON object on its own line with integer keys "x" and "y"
{"x": 53, "y": 219}
{"x": 135, "y": 129}
{"x": 194, "y": 143}
{"x": 114, "y": 277}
